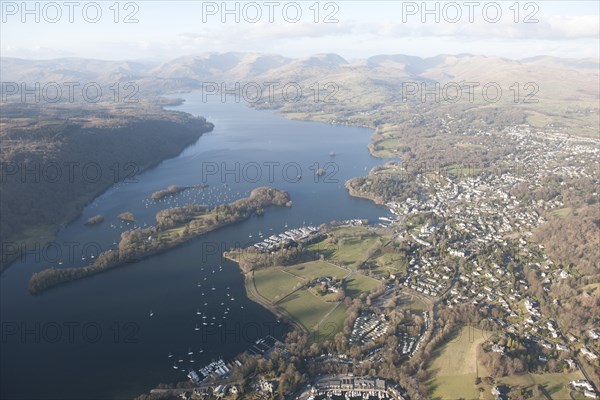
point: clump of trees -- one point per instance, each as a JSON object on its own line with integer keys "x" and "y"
{"x": 171, "y": 190}
{"x": 95, "y": 220}
{"x": 126, "y": 217}
{"x": 171, "y": 217}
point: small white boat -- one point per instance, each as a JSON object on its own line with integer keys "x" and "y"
{"x": 151, "y": 313}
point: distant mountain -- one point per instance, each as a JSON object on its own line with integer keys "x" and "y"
{"x": 547, "y": 61}
{"x": 63, "y": 69}
{"x": 566, "y": 78}
{"x": 212, "y": 66}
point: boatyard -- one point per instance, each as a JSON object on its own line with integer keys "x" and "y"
{"x": 285, "y": 239}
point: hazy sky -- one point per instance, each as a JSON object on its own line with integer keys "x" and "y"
{"x": 354, "y": 29}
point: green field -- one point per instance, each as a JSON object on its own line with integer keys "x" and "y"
{"x": 331, "y": 325}
{"x": 411, "y": 302}
{"x": 350, "y": 250}
{"x": 278, "y": 285}
{"x": 273, "y": 283}
{"x": 316, "y": 269}
{"x": 562, "y": 212}
{"x": 556, "y": 385}
{"x": 454, "y": 366}
{"x": 358, "y": 283}
{"x": 305, "y": 307}
{"x": 391, "y": 263}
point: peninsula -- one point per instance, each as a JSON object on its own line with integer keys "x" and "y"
{"x": 174, "y": 226}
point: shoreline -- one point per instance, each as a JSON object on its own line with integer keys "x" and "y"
{"x": 51, "y": 231}
{"x": 133, "y": 247}
{"x": 355, "y": 193}
{"x": 253, "y": 295}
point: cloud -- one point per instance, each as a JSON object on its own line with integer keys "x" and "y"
{"x": 554, "y": 27}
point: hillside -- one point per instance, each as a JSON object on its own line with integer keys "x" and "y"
{"x": 57, "y": 143}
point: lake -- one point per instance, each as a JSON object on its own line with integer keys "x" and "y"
{"x": 95, "y": 338}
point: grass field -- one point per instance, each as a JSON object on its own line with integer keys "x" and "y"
{"x": 454, "y": 366}
{"x": 273, "y": 282}
{"x": 277, "y": 284}
{"x": 556, "y": 385}
{"x": 390, "y": 263}
{"x": 358, "y": 283}
{"x": 562, "y": 212}
{"x": 353, "y": 243}
{"x": 410, "y": 302}
{"x": 390, "y": 144}
{"x": 316, "y": 269}
{"x": 305, "y": 307}
{"x": 331, "y": 325}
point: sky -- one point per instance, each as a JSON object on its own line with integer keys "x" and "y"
{"x": 160, "y": 30}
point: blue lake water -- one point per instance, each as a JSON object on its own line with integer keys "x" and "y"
{"x": 95, "y": 338}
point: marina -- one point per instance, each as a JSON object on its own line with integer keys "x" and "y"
{"x": 286, "y": 239}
